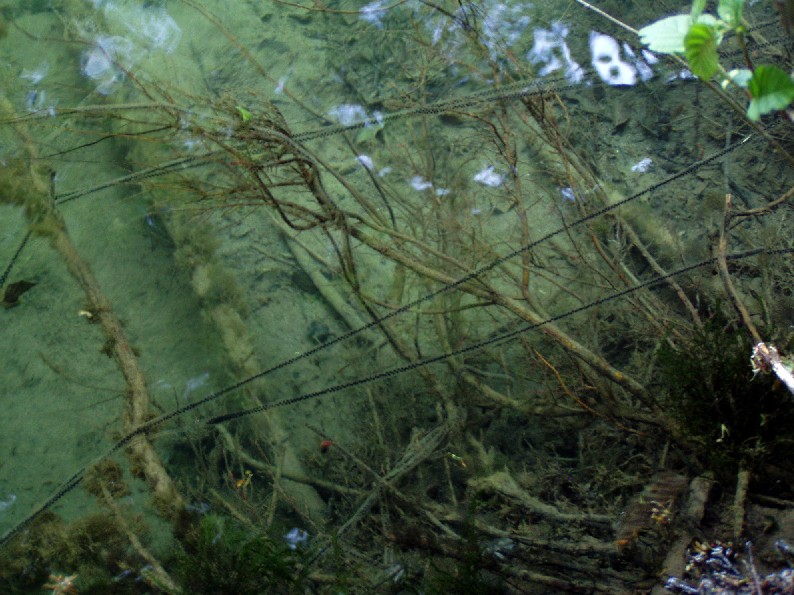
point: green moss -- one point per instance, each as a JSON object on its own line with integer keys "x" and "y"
{"x": 216, "y": 285}
{"x": 92, "y": 547}
{"x": 17, "y": 187}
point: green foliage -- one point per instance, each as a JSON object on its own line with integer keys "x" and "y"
{"x": 700, "y": 48}
{"x": 697, "y": 35}
{"x": 245, "y": 115}
{"x": 221, "y": 557}
{"x": 730, "y": 11}
{"x": 698, "y": 6}
{"x": 772, "y": 90}
{"x": 467, "y": 571}
{"x": 718, "y": 403}
{"x": 667, "y": 35}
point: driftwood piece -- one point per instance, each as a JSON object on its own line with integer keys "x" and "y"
{"x": 690, "y": 516}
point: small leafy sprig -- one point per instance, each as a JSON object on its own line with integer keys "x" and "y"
{"x": 697, "y": 35}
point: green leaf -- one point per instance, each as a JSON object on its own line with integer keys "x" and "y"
{"x": 666, "y": 36}
{"x": 245, "y": 115}
{"x": 700, "y": 48}
{"x": 730, "y": 11}
{"x": 697, "y": 9}
{"x": 711, "y": 21}
{"x": 771, "y": 89}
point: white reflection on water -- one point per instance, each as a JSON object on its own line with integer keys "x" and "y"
{"x": 552, "y": 52}
{"x": 608, "y": 63}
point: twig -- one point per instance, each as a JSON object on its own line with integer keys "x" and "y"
{"x": 609, "y": 17}
{"x": 279, "y": 470}
{"x": 161, "y": 580}
{"x": 414, "y": 455}
{"x": 39, "y": 202}
{"x": 580, "y": 402}
{"x": 635, "y": 239}
{"x": 722, "y": 262}
{"x": 769, "y": 206}
{"x": 739, "y": 499}
{"x": 326, "y": 288}
{"x": 255, "y": 463}
{"x": 757, "y": 590}
{"x": 765, "y": 357}
{"x": 502, "y": 483}
{"x": 243, "y": 518}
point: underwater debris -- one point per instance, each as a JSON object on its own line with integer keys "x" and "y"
{"x": 643, "y": 165}
{"x": 61, "y": 584}
{"x": 653, "y": 508}
{"x": 717, "y": 569}
{"x": 296, "y": 537}
{"x": 14, "y": 291}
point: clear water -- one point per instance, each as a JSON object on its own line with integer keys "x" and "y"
{"x": 213, "y": 285}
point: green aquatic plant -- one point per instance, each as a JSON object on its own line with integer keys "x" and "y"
{"x": 739, "y": 419}
{"x": 220, "y": 556}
